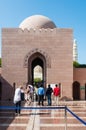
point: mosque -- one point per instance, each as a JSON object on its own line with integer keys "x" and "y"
{"x": 39, "y": 42}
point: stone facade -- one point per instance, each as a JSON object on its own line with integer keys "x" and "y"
{"x": 79, "y": 76}
{"x": 20, "y": 48}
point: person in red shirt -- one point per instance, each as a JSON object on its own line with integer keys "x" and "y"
{"x": 56, "y": 93}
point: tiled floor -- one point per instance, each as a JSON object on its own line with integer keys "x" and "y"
{"x": 44, "y": 119}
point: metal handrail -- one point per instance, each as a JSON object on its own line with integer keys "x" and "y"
{"x": 66, "y": 109}
{"x": 77, "y": 117}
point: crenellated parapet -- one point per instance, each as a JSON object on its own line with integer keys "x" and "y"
{"x": 34, "y": 31}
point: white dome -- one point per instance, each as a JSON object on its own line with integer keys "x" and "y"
{"x": 37, "y": 22}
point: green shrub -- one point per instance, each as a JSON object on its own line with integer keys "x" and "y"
{"x": 77, "y": 65}
{"x": 37, "y": 80}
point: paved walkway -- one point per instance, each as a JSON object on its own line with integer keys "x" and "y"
{"x": 44, "y": 119}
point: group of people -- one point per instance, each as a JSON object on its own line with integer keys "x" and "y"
{"x": 56, "y": 93}
{"x": 22, "y": 95}
{"x": 41, "y": 92}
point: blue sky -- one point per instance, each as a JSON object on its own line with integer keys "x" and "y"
{"x": 64, "y": 13}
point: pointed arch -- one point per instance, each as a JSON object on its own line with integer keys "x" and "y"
{"x": 37, "y": 50}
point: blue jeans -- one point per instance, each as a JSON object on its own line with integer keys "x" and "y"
{"x": 18, "y": 105}
{"x": 49, "y": 100}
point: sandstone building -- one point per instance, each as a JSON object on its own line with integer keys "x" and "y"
{"x": 37, "y": 41}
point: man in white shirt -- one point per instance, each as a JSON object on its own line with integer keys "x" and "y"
{"x": 17, "y": 99}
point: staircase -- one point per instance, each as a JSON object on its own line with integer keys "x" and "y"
{"x": 44, "y": 119}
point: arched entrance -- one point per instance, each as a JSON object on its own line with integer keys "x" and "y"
{"x": 33, "y": 61}
{"x": 76, "y": 90}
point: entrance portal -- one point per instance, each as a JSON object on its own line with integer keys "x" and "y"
{"x": 76, "y": 90}
{"x": 36, "y": 59}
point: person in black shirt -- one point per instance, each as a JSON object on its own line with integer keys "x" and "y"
{"x": 49, "y": 91}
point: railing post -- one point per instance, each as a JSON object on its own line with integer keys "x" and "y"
{"x": 65, "y": 118}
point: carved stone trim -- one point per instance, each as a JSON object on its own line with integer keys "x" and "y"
{"x": 37, "y": 50}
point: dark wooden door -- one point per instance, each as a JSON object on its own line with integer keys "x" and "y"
{"x": 76, "y": 91}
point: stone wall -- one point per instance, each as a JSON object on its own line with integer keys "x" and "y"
{"x": 80, "y": 76}
{"x": 54, "y": 44}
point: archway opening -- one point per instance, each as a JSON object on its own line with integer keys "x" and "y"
{"x": 38, "y": 72}
{"x": 76, "y": 90}
{"x": 37, "y": 68}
